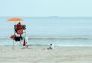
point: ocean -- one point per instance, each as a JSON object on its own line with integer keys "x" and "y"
{"x": 60, "y": 31}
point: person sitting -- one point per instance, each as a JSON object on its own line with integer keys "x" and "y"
{"x": 18, "y": 34}
{"x": 19, "y": 28}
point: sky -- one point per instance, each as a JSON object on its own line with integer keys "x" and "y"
{"x": 44, "y": 8}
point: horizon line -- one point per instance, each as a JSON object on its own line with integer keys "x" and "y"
{"x": 45, "y": 17}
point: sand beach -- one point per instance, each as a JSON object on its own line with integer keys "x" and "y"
{"x": 40, "y": 54}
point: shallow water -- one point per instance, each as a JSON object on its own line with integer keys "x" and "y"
{"x": 56, "y": 42}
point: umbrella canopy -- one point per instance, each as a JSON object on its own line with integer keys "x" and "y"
{"x": 15, "y": 19}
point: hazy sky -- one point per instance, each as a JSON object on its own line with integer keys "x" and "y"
{"x": 64, "y": 8}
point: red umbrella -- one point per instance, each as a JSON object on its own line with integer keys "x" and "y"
{"x": 15, "y": 19}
